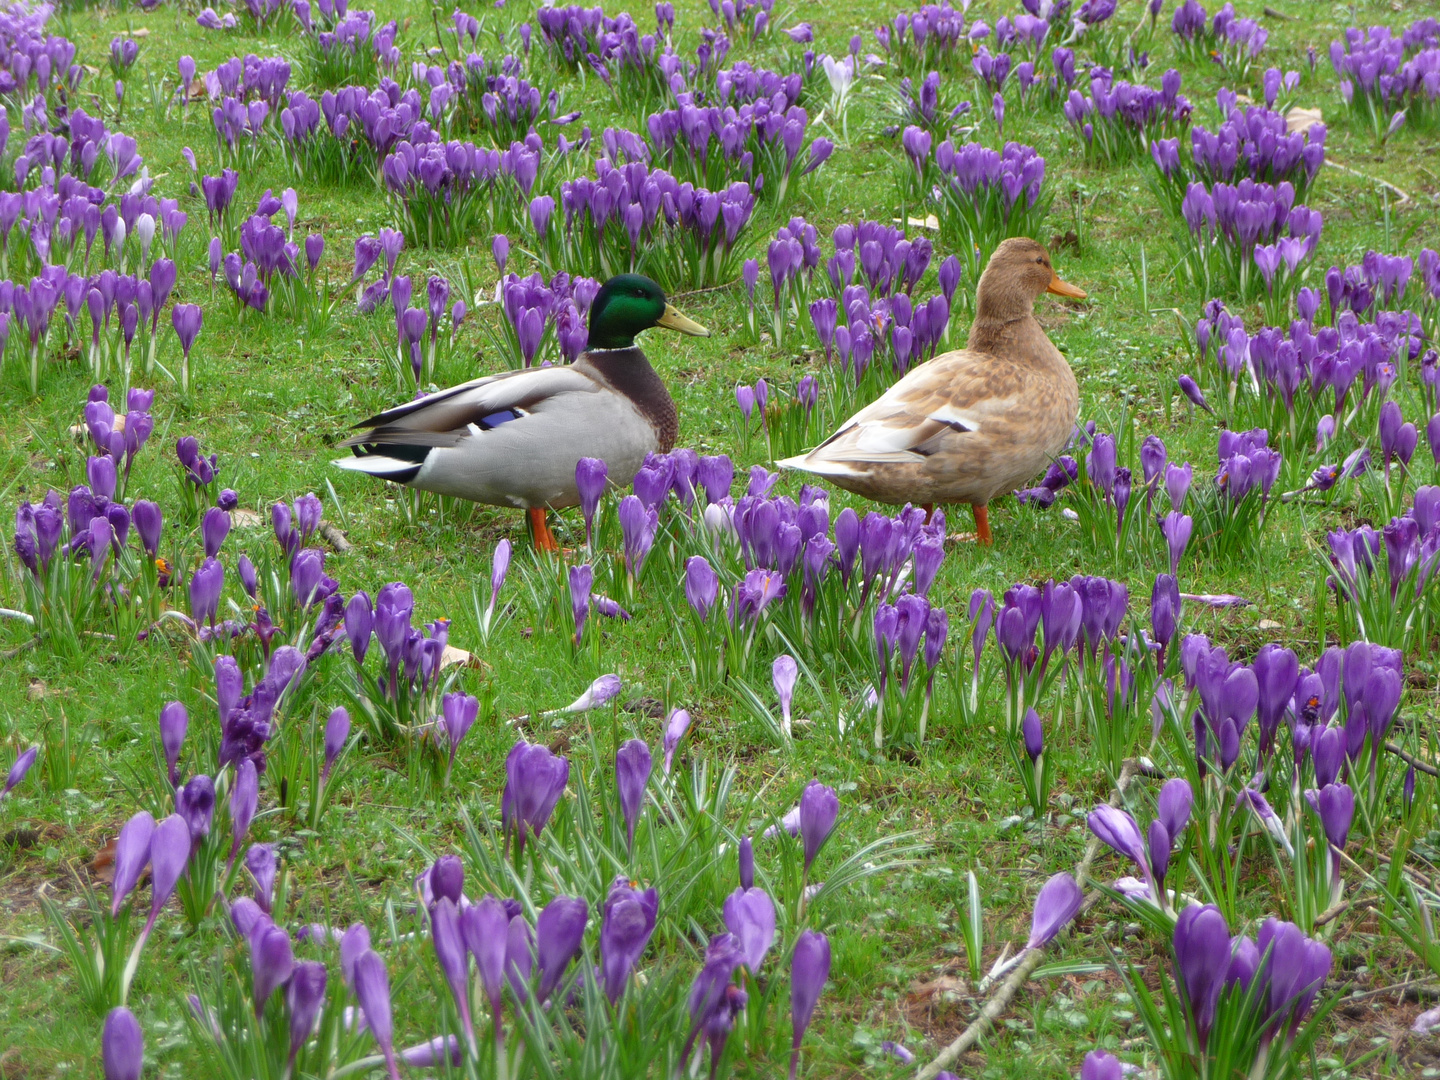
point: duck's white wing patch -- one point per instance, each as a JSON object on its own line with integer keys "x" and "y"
{"x": 956, "y": 418}
{"x": 879, "y": 437}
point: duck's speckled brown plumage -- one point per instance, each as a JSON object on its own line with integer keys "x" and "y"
{"x": 970, "y": 424}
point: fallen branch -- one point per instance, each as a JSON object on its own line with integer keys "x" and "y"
{"x": 1404, "y": 196}
{"x": 10, "y": 654}
{"x": 1410, "y": 759}
{"x": 1029, "y": 960}
{"x": 336, "y": 538}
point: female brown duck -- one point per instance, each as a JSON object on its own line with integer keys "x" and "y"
{"x": 970, "y": 424}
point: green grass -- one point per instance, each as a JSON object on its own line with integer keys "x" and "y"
{"x": 272, "y": 399}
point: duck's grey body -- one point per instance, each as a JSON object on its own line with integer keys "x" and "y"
{"x": 514, "y": 439}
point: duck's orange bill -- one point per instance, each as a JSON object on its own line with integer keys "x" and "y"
{"x": 1064, "y": 288}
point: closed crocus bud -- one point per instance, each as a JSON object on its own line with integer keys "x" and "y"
{"x": 784, "y": 673}
{"x": 458, "y": 713}
{"x": 122, "y": 1045}
{"x": 702, "y": 586}
{"x": 195, "y": 802}
{"x": 750, "y": 916}
{"x": 372, "y": 988}
{"x": 214, "y": 527}
{"x": 484, "y": 927}
{"x": 819, "y": 808}
{"x": 1335, "y": 804}
{"x": 304, "y": 997}
{"x": 1117, "y": 829}
{"x": 260, "y": 861}
{"x": 249, "y": 580}
{"x": 174, "y": 721}
{"x": 169, "y": 855}
{"x": 747, "y": 864}
{"x": 447, "y": 879}
{"x": 359, "y": 622}
{"x": 1057, "y": 903}
{"x": 632, "y": 773}
{"x": 559, "y": 930}
{"x": 272, "y": 962}
{"x": 627, "y": 922}
{"x": 590, "y": 479}
{"x": 22, "y": 766}
{"x": 1173, "y": 807}
{"x": 1158, "y": 842}
{"x": 1202, "y": 953}
{"x": 675, "y": 727}
{"x": 449, "y": 942}
{"x": 132, "y": 855}
{"x": 1033, "y": 734}
{"x": 1191, "y": 390}
{"x": 244, "y": 800}
{"x": 148, "y": 522}
{"x": 354, "y": 942}
{"x": 809, "y": 968}
{"x": 337, "y": 732}
{"x": 1099, "y": 1065}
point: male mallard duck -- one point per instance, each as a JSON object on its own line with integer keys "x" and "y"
{"x": 973, "y": 423}
{"x": 514, "y": 439}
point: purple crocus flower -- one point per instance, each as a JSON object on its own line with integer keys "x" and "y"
{"x": 590, "y": 479}
{"x": 559, "y": 930}
{"x": 750, "y": 917}
{"x": 450, "y": 952}
{"x": 174, "y": 720}
{"x": 1058, "y": 902}
{"x": 783, "y": 673}
{"x": 1202, "y": 954}
{"x": 1099, "y": 1065}
{"x": 535, "y": 779}
{"x": 372, "y": 988}
{"x": 702, "y": 586}
{"x": 303, "y": 998}
{"x": 132, "y": 855}
{"x": 485, "y": 927}
{"x": 582, "y": 578}
{"x": 675, "y": 728}
{"x": 337, "y": 733}
{"x": 272, "y": 962}
{"x": 627, "y": 921}
{"x": 1191, "y": 390}
{"x": 632, "y": 772}
{"x": 122, "y": 1045}
{"x": 260, "y": 861}
{"x": 746, "y": 858}
{"x": 819, "y": 807}
{"x": 809, "y": 968}
{"x": 17, "y": 772}
{"x": 458, "y": 713}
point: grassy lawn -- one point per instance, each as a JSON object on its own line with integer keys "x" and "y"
{"x": 272, "y": 392}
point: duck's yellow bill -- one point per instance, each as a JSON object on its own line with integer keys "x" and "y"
{"x": 673, "y": 320}
{"x": 1064, "y": 288}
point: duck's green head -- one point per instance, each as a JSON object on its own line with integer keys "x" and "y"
{"x": 628, "y": 304}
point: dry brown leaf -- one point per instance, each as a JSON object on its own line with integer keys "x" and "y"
{"x": 1298, "y": 119}
{"x": 245, "y": 519}
{"x": 103, "y": 864}
{"x": 943, "y": 984}
{"x": 452, "y": 656}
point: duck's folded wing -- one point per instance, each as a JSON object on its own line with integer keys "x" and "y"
{"x": 925, "y": 409}
{"x": 444, "y": 418}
